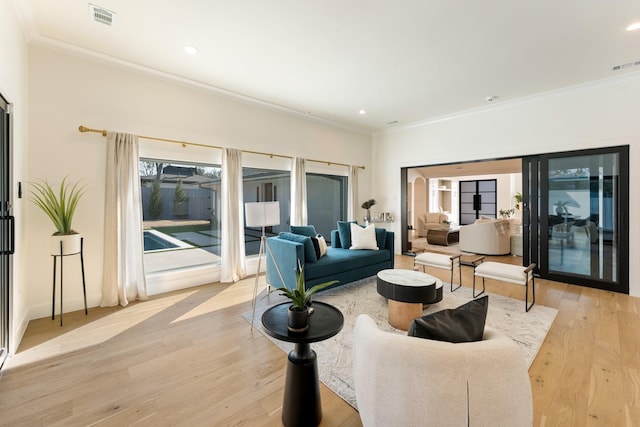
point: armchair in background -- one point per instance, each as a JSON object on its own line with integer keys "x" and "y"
{"x": 429, "y": 220}
{"x": 486, "y": 237}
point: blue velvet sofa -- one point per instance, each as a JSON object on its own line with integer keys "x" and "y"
{"x": 339, "y": 263}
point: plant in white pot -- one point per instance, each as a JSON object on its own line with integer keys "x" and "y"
{"x": 299, "y": 310}
{"x": 60, "y": 206}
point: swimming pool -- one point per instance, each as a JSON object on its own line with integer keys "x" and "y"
{"x": 156, "y": 241}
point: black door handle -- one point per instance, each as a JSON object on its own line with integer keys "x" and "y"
{"x": 477, "y": 202}
{"x": 11, "y": 229}
{"x": 12, "y": 232}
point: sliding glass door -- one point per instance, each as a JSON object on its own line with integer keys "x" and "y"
{"x": 6, "y": 228}
{"x": 576, "y": 216}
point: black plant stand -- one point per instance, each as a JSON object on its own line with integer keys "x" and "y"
{"x": 301, "y": 405}
{"x": 84, "y": 287}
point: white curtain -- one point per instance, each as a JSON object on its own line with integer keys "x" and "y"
{"x": 352, "y": 198}
{"x": 123, "y": 276}
{"x": 298, "y": 192}
{"x": 232, "y": 251}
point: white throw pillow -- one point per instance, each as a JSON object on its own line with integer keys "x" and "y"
{"x": 322, "y": 244}
{"x": 363, "y": 238}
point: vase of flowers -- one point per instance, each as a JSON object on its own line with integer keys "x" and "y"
{"x": 367, "y": 205}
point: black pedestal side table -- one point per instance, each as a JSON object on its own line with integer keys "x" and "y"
{"x": 301, "y": 405}
{"x": 84, "y": 287}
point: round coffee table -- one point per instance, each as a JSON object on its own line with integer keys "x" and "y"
{"x": 407, "y": 291}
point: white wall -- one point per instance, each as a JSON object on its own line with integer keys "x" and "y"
{"x": 597, "y": 115}
{"x": 13, "y": 86}
{"x": 68, "y": 90}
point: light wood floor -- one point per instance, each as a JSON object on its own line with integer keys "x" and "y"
{"x": 188, "y": 358}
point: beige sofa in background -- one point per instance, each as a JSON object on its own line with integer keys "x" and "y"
{"x": 486, "y": 237}
{"x": 429, "y": 220}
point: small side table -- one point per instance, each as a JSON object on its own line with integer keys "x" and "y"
{"x": 301, "y": 405}
{"x": 84, "y": 287}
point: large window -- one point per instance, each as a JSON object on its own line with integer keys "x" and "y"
{"x": 181, "y": 210}
{"x": 326, "y": 202}
{"x": 266, "y": 185}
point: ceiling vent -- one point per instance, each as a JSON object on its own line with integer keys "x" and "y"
{"x": 625, "y": 66}
{"x": 101, "y": 15}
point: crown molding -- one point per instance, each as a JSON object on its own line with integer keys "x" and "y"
{"x": 64, "y": 47}
{"x": 634, "y": 75}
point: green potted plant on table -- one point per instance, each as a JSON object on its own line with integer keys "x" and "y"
{"x": 60, "y": 207}
{"x": 518, "y": 198}
{"x": 300, "y": 310}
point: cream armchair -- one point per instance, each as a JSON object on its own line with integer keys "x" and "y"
{"x": 408, "y": 381}
{"x": 429, "y": 220}
{"x": 486, "y": 237}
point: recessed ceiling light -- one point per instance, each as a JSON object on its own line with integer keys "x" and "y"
{"x": 362, "y": 112}
{"x": 634, "y": 26}
{"x": 190, "y": 49}
{"x": 491, "y": 98}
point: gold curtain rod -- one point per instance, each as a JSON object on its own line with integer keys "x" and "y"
{"x": 193, "y": 144}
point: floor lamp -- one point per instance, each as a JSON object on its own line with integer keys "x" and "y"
{"x": 261, "y": 214}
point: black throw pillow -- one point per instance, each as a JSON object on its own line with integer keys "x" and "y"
{"x": 462, "y": 324}
{"x": 316, "y": 246}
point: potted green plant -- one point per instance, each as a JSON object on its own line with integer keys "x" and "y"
{"x": 60, "y": 206}
{"x": 299, "y": 310}
{"x": 518, "y": 197}
{"x": 506, "y": 213}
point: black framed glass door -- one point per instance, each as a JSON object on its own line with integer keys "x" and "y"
{"x": 477, "y": 197}
{"x": 6, "y": 227}
{"x": 576, "y": 215}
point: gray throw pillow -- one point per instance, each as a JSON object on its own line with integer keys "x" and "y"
{"x": 304, "y": 230}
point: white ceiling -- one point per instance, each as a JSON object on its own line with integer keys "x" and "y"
{"x": 403, "y": 60}
{"x": 468, "y": 169}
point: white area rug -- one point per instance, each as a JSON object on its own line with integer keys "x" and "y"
{"x": 334, "y": 355}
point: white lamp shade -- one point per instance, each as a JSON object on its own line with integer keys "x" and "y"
{"x": 262, "y": 214}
